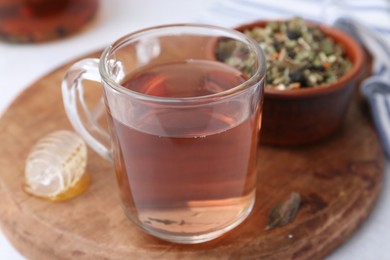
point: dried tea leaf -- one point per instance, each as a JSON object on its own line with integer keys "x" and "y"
{"x": 285, "y": 212}
{"x": 298, "y": 54}
{"x": 163, "y": 221}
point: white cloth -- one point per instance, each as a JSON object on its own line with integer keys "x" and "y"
{"x": 374, "y": 13}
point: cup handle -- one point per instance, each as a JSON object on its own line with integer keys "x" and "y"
{"x": 84, "y": 120}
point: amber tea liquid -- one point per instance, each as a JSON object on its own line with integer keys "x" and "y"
{"x": 188, "y": 170}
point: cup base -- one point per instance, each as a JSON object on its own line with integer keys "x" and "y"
{"x": 195, "y": 238}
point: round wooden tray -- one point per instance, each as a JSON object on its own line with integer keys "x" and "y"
{"x": 339, "y": 180}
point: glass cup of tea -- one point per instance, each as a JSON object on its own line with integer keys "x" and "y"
{"x": 183, "y": 127}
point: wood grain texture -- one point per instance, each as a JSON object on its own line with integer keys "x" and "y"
{"x": 339, "y": 180}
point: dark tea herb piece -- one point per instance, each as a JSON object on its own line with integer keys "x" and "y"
{"x": 298, "y": 55}
{"x": 163, "y": 221}
{"x": 285, "y": 212}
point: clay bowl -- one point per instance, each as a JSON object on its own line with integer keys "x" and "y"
{"x": 302, "y": 116}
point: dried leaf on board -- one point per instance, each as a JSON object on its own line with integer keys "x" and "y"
{"x": 285, "y": 212}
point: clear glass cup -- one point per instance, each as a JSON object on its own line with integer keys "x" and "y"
{"x": 183, "y": 127}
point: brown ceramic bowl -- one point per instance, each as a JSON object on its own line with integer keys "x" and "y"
{"x": 301, "y": 116}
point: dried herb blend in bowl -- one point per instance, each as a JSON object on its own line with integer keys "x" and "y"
{"x": 299, "y": 55}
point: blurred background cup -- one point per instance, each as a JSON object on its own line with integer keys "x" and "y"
{"x": 27, "y": 21}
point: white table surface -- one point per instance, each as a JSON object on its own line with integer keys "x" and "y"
{"x": 20, "y": 65}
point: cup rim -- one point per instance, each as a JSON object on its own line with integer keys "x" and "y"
{"x": 258, "y": 76}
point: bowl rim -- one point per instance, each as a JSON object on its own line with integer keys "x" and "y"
{"x": 356, "y": 54}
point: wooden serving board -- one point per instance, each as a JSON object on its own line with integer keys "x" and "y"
{"x": 339, "y": 180}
